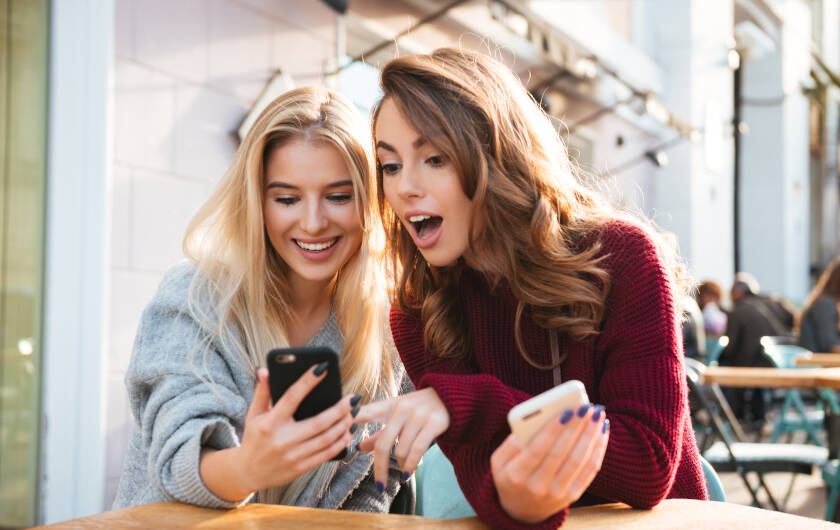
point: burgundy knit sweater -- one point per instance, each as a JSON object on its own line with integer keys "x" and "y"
{"x": 633, "y": 368}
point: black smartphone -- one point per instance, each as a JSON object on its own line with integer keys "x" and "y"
{"x": 286, "y": 365}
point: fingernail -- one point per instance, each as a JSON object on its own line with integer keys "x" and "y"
{"x": 582, "y": 410}
{"x": 597, "y": 415}
{"x": 355, "y": 400}
{"x": 355, "y": 410}
{"x": 606, "y": 426}
{"x": 405, "y": 475}
{"x": 380, "y": 487}
{"x": 321, "y": 368}
{"x": 564, "y": 419}
{"x": 353, "y": 428}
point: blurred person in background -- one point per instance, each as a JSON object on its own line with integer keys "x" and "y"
{"x": 752, "y": 317}
{"x": 817, "y": 322}
{"x": 709, "y": 295}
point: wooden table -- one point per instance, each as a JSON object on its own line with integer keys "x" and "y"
{"x": 670, "y": 514}
{"x": 819, "y": 359}
{"x": 772, "y": 377}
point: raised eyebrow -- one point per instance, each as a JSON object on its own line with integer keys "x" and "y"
{"x": 416, "y": 144}
{"x": 385, "y": 146}
{"x": 340, "y": 184}
{"x": 279, "y": 184}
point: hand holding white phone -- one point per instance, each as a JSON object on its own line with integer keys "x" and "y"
{"x": 527, "y": 418}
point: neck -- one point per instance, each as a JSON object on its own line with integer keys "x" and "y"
{"x": 310, "y": 299}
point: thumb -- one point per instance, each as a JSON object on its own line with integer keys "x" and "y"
{"x": 262, "y": 396}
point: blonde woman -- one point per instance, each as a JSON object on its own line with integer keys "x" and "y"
{"x": 287, "y": 251}
{"x": 515, "y": 278}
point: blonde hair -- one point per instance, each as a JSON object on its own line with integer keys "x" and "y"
{"x": 535, "y": 224}
{"x": 246, "y": 282}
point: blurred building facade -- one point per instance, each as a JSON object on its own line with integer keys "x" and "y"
{"x": 717, "y": 118}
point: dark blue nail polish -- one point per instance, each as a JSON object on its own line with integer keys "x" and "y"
{"x": 380, "y": 487}
{"x": 564, "y": 419}
{"x": 405, "y": 475}
{"x": 606, "y": 426}
{"x": 353, "y": 428}
{"x": 321, "y": 368}
{"x": 355, "y": 410}
{"x": 355, "y": 400}
{"x": 597, "y": 415}
{"x": 583, "y": 409}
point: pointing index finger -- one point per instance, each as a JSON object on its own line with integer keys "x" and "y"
{"x": 378, "y": 411}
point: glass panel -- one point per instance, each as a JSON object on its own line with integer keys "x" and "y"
{"x": 23, "y": 110}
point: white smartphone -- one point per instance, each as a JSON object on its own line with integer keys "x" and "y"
{"x": 527, "y": 418}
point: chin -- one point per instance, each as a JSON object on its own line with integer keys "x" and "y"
{"x": 437, "y": 260}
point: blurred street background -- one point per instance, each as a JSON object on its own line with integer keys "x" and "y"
{"x": 717, "y": 118}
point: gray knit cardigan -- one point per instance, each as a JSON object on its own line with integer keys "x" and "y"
{"x": 176, "y": 413}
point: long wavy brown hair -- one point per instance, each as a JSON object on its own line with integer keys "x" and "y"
{"x": 535, "y": 224}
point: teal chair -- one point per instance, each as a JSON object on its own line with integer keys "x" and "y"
{"x": 438, "y": 492}
{"x": 713, "y": 484}
{"x": 793, "y": 416}
{"x": 832, "y": 480}
{"x": 714, "y": 346}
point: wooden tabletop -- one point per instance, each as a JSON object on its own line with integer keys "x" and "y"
{"x": 670, "y": 514}
{"x": 819, "y": 359}
{"x": 773, "y": 377}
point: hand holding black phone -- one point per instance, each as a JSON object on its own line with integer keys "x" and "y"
{"x": 287, "y": 365}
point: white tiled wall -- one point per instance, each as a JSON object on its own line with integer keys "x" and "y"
{"x": 186, "y": 73}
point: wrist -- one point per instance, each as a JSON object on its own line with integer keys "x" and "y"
{"x": 244, "y": 477}
{"x": 225, "y": 474}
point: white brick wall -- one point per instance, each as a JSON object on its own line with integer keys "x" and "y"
{"x": 186, "y": 74}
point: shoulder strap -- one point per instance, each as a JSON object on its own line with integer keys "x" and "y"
{"x": 759, "y": 306}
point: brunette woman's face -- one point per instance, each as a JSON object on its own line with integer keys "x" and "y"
{"x": 422, "y": 187}
{"x": 309, "y": 209}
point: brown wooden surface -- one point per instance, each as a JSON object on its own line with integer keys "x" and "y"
{"x": 819, "y": 359}
{"x": 670, "y": 514}
{"x": 773, "y": 377}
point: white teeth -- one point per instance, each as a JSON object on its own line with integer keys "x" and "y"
{"x": 418, "y": 218}
{"x": 316, "y": 246}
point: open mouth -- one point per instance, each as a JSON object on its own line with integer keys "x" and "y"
{"x": 316, "y": 247}
{"x": 425, "y": 225}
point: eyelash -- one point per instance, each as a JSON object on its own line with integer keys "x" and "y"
{"x": 335, "y": 198}
{"x": 435, "y": 161}
{"x": 440, "y": 160}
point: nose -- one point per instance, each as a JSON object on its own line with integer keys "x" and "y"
{"x": 409, "y": 185}
{"x": 313, "y": 220}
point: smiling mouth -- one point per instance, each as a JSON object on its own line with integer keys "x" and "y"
{"x": 316, "y": 247}
{"x": 425, "y": 225}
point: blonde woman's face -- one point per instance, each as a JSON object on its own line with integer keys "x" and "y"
{"x": 422, "y": 187}
{"x": 310, "y": 212}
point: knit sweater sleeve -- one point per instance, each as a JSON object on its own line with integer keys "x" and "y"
{"x": 477, "y": 405}
{"x": 642, "y": 382}
{"x": 179, "y": 413}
